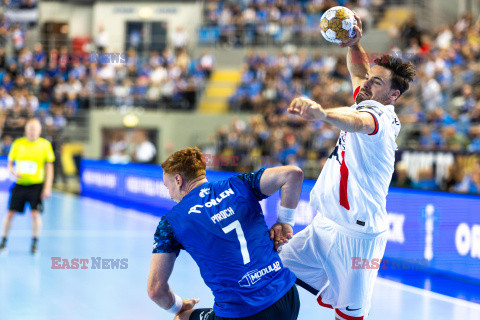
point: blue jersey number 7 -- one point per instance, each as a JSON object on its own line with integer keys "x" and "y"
{"x": 235, "y": 225}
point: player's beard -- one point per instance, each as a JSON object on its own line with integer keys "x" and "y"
{"x": 362, "y": 96}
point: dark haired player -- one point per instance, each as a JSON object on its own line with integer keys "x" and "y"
{"x": 333, "y": 256}
{"x": 222, "y": 227}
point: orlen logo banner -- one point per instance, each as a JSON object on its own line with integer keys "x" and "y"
{"x": 441, "y": 228}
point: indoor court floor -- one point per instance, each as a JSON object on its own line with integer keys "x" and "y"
{"x": 82, "y": 228}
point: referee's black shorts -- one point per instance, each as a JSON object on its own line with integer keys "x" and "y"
{"x": 286, "y": 308}
{"x": 21, "y": 194}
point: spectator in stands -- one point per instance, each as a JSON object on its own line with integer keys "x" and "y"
{"x": 471, "y": 181}
{"x": 18, "y": 38}
{"x": 401, "y": 178}
{"x": 145, "y": 151}
{"x": 426, "y": 180}
{"x": 179, "y": 39}
{"x": 4, "y": 30}
{"x": 6, "y": 144}
{"x": 410, "y": 31}
{"x": 101, "y": 39}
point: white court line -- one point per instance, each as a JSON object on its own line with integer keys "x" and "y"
{"x": 430, "y": 294}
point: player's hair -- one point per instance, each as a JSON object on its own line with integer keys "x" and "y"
{"x": 402, "y": 72}
{"x": 189, "y": 163}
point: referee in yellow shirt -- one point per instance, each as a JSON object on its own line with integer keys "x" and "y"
{"x": 33, "y": 157}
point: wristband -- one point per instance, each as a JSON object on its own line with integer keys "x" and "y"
{"x": 177, "y": 305}
{"x": 286, "y": 215}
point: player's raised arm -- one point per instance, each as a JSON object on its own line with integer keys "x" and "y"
{"x": 357, "y": 59}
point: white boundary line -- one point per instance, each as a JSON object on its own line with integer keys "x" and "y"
{"x": 430, "y": 294}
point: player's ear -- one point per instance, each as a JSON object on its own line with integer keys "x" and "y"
{"x": 178, "y": 180}
{"x": 394, "y": 94}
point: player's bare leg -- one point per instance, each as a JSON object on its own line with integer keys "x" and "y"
{"x": 36, "y": 227}
{"x": 7, "y": 224}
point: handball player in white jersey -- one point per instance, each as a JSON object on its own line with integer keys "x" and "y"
{"x": 338, "y": 255}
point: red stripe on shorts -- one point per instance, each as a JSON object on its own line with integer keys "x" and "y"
{"x": 344, "y": 183}
{"x": 346, "y": 316}
{"x": 320, "y": 302}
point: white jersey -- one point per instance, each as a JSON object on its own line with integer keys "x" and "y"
{"x": 353, "y": 185}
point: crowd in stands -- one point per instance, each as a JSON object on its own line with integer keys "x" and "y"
{"x": 56, "y": 85}
{"x": 259, "y": 22}
{"x": 440, "y": 112}
{"x": 19, "y": 4}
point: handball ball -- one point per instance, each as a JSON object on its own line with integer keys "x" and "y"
{"x": 336, "y": 25}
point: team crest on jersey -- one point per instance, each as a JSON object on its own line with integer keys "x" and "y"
{"x": 204, "y": 192}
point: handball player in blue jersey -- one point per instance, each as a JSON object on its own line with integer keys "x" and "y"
{"x": 221, "y": 225}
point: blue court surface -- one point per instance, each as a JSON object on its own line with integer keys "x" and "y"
{"x": 82, "y": 228}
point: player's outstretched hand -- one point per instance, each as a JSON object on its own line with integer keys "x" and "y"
{"x": 280, "y": 233}
{"x": 307, "y": 109}
{"x": 358, "y": 33}
{"x": 188, "y": 304}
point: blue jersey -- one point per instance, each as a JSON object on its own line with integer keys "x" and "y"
{"x": 221, "y": 225}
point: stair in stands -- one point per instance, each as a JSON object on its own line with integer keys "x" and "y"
{"x": 220, "y": 87}
{"x": 395, "y": 16}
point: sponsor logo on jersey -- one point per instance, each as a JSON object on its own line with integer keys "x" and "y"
{"x": 224, "y": 214}
{"x": 221, "y": 196}
{"x": 204, "y": 192}
{"x": 252, "y": 277}
{"x": 204, "y": 315}
{"x": 211, "y": 202}
{"x": 194, "y": 209}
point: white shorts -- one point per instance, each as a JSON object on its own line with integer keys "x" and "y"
{"x": 330, "y": 258}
